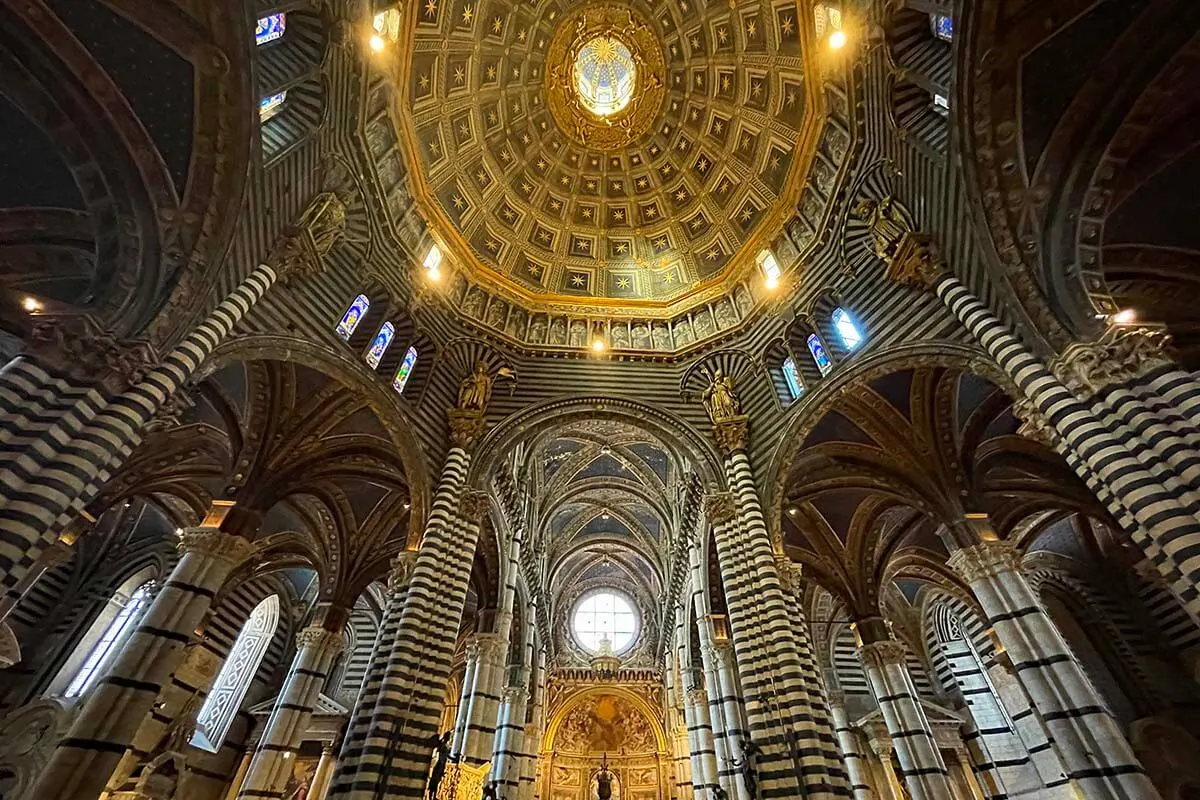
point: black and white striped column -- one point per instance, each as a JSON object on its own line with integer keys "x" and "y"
{"x": 55, "y": 475}
{"x": 883, "y": 660}
{"x": 852, "y": 748}
{"x": 1095, "y": 754}
{"x": 1157, "y": 516}
{"x": 316, "y": 649}
{"x": 482, "y": 705}
{"x": 115, "y": 708}
{"x": 364, "y": 705}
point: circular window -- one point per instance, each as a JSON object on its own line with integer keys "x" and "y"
{"x": 605, "y": 613}
{"x": 604, "y": 76}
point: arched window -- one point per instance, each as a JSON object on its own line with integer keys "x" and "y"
{"x": 942, "y": 26}
{"x": 353, "y": 316}
{"x": 819, "y": 356}
{"x": 271, "y": 105}
{"x": 229, "y": 689}
{"x": 433, "y": 262}
{"x": 270, "y": 28}
{"x": 380, "y": 345}
{"x": 118, "y": 628}
{"x": 791, "y": 375}
{"x": 405, "y": 370}
{"x": 846, "y": 329}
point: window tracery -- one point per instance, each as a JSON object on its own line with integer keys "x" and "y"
{"x": 114, "y": 635}
{"x": 354, "y": 314}
{"x": 605, "y": 613}
{"x": 236, "y": 675}
{"x": 270, "y": 28}
{"x": 380, "y": 344}
{"x": 791, "y": 376}
{"x": 404, "y": 372}
{"x": 846, "y": 329}
{"x": 819, "y": 356}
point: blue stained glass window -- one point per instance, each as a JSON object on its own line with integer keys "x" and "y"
{"x": 846, "y": 329}
{"x": 380, "y": 345}
{"x": 792, "y": 376}
{"x": 353, "y": 316}
{"x": 270, "y": 28}
{"x": 819, "y": 355}
{"x": 943, "y": 26}
{"x": 271, "y": 105}
{"x": 405, "y": 370}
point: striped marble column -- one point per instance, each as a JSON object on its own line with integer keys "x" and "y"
{"x": 851, "y": 746}
{"x": 56, "y": 554}
{"x": 510, "y": 740}
{"x": 316, "y": 649}
{"x": 1095, "y": 754}
{"x": 119, "y": 702}
{"x": 483, "y": 704}
{"x": 394, "y": 759}
{"x": 1157, "y": 516}
{"x": 534, "y": 727}
{"x": 700, "y": 742}
{"x": 50, "y": 471}
{"x": 462, "y": 718}
{"x": 883, "y": 660}
{"x": 364, "y": 705}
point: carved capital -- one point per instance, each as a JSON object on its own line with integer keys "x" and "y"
{"x": 697, "y": 696}
{"x": 916, "y": 263}
{"x": 465, "y": 427}
{"x": 985, "y": 560}
{"x": 1120, "y": 356}
{"x": 514, "y": 695}
{"x": 401, "y": 571}
{"x": 720, "y": 507}
{"x": 315, "y": 637}
{"x": 888, "y": 652}
{"x": 837, "y": 697}
{"x": 732, "y": 434}
{"x": 300, "y": 249}
{"x": 76, "y": 346}
{"x": 170, "y": 413}
{"x": 473, "y": 506}
{"x": 789, "y": 573}
{"x": 216, "y": 544}
{"x": 491, "y": 647}
{"x": 1034, "y": 425}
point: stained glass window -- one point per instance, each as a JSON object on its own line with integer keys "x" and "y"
{"x": 405, "y": 370}
{"x": 792, "y": 376}
{"x": 943, "y": 26}
{"x": 941, "y": 104}
{"x": 270, "y": 28}
{"x": 604, "y": 75}
{"x": 229, "y": 689}
{"x": 380, "y": 345}
{"x": 113, "y": 636}
{"x": 770, "y": 267}
{"x": 353, "y": 316}
{"x": 605, "y": 613}
{"x": 271, "y": 105}
{"x": 846, "y": 329}
{"x": 819, "y": 355}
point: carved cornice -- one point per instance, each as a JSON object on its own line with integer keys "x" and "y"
{"x": 77, "y": 347}
{"x": 720, "y": 507}
{"x": 315, "y": 637}
{"x": 1120, "y": 356}
{"x": 889, "y": 652}
{"x": 216, "y": 544}
{"x": 985, "y": 560}
{"x": 731, "y": 435}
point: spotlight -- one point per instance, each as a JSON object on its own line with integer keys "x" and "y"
{"x": 31, "y": 304}
{"x": 377, "y": 43}
{"x": 434, "y": 274}
{"x": 837, "y": 40}
{"x": 598, "y": 345}
{"x": 1125, "y": 317}
{"x": 771, "y": 282}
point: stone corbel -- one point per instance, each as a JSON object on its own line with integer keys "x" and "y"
{"x": 1120, "y": 356}
{"x": 720, "y": 507}
{"x": 76, "y": 346}
{"x": 732, "y": 434}
{"x": 916, "y": 263}
{"x": 1034, "y": 425}
{"x": 465, "y": 427}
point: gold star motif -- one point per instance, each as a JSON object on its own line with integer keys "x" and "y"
{"x": 435, "y": 148}
{"x": 660, "y": 242}
{"x": 621, "y": 248}
{"x": 747, "y": 213}
{"x": 544, "y": 235}
{"x": 696, "y": 222}
{"x": 564, "y": 180}
{"x": 651, "y": 212}
{"x": 505, "y": 155}
{"x": 722, "y": 35}
{"x": 468, "y": 14}
{"x": 464, "y": 129}
{"x": 516, "y": 73}
{"x": 787, "y": 26}
{"x": 616, "y": 186}
{"x": 695, "y": 42}
{"x": 509, "y": 214}
{"x": 584, "y": 244}
{"x": 725, "y": 83}
{"x": 431, "y": 8}
{"x": 555, "y": 205}
{"x": 746, "y": 141}
{"x": 521, "y": 34}
{"x": 423, "y": 81}
{"x": 526, "y": 187}
{"x": 702, "y": 165}
{"x": 723, "y": 188}
{"x": 665, "y": 169}
{"x": 497, "y": 24}
{"x": 751, "y": 29}
{"x": 622, "y": 283}
{"x": 669, "y": 277}
{"x": 534, "y": 270}
{"x": 619, "y": 214}
{"x": 492, "y": 245}
{"x": 481, "y": 176}
{"x": 712, "y": 254}
{"x": 591, "y": 186}
{"x": 492, "y": 118}
{"x": 524, "y": 136}
{"x": 695, "y": 114}
{"x": 491, "y": 72}
{"x": 587, "y": 213}
{"x": 756, "y": 88}
{"x": 642, "y": 183}
{"x": 790, "y": 98}
{"x": 681, "y": 195}
{"x": 541, "y": 164}
{"x": 577, "y": 280}
{"x": 718, "y": 126}
{"x": 774, "y": 162}
{"x": 459, "y": 74}
{"x": 458, "y": 201}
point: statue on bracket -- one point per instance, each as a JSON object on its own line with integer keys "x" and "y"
{"x": 720, "y": 400}
{"x": 476, "y": 389}
{"x": 888, "y": 222}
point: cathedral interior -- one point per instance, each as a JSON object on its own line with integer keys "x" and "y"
{"x": 599, "y": 400}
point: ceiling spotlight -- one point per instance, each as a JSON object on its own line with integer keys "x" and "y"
{"x": 771, "y": 282}
{"x": 179, "y": 531}
{"x": 837, "y": 40}
{"x": 31, "y": 304}
{"x": 433, "y": 273}
{"x": 598, "y": 345}
{"x": 377, "y": 43}
{"x": 792, "y": 511}
{"x": 604, "y": 515}
{"x": 407, "y": 506}
{"x": 1124, "y": 317}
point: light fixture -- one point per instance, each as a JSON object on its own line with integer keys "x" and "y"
{"x": 837, "y": 40}
{"x": 433, "y": 263}
{"x": 31, "y": 304}
{"x": 377, "y": 43}
{"x": 792, "y": 511}
{"x": 770, "y": 267}
{"x": 598, "y": 345}
{"x": 1124, "y": 317}
{"x": 179, "y": 531}
{"x": 771, "y": 283}
{"x": 604, "y": 514}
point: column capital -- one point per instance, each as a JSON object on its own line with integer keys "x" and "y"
{"x": 465, "y": 427}
{"x": 697, "y": 696}
{"x": 300, "y": 249}
{"x": 720, "y": 507}
{"x": 216, "y": 544}
{"x": 514, "y": 694}
{"x": 789, "y": 572}
{"x": 315, "y": 637}
{"x": 1034, "y": 425}
{"x": 916, "y": 262}
{"x": 401, "y": 570}
{"x": 732, "y": 434}
{"x": 490, "y": 646}
{"x": 888, "y": 652}
{"x": 473, "y": 506}
{"x": 985, "y": 560}
{"x": 78, "y": 346}
{"x": 1121, "y": 354}
{"x": 836, "y": 697}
